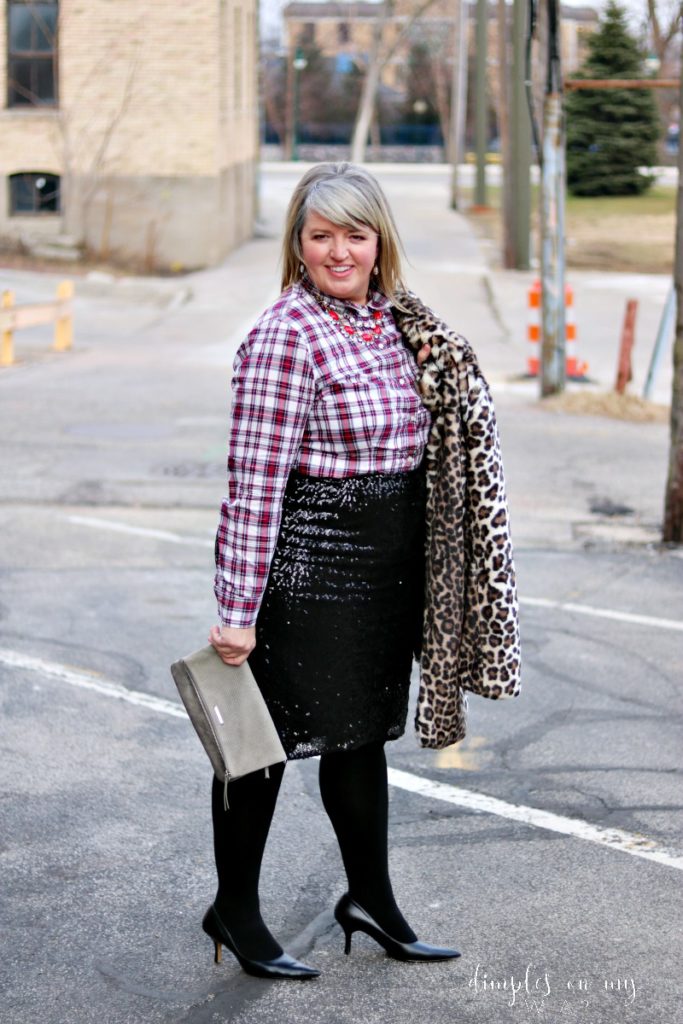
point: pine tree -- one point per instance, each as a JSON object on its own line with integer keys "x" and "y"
{"x": 611, "y": 132}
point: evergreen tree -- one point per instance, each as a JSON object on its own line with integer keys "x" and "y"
{"x": 611, "y": 132}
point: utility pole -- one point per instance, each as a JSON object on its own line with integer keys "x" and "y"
{"x": 299, "y": 64}
{"x": 504, "y": 104}
{"x": 520, "y": 140}
{"x": 673, "y": 503}
{"x": 480, "y": 124}
{"x": 289, "y": 103}
{"x": 459, "y": 98}
{"x": 553, "y": 376}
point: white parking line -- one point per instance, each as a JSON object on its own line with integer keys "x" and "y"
{"x": 139, "y": 531}
{"x": 602, "y": 613}
{"x": 532, "y": 602}
{"x": 612, "y": 838}
{"x": 88, "y": 681}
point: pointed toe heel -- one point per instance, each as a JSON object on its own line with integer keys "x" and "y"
{"x": 352, "y": 918}
{"x": 283, "y": 966}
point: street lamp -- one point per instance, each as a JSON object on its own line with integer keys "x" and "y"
{"x": 299, "y": 64}
{"x": 652, "y": 64}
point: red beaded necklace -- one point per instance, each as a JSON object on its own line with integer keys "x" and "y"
{"x": 350, "y": 324}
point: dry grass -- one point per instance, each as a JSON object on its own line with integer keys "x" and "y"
{"x": 625, "y": 233}
{"x": 607, "y": 403}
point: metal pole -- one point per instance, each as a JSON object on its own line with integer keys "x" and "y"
{"x": 289, "y": 104}
{"x": 553, "y": 373}
{"x": 480, "y": 102}
{"x": 459, "y": 101}
{"x": 520, "y": 140}
{"x": 664, "y": 335}
{"x": 295, "y": 104}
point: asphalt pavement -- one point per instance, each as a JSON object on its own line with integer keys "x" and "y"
{"x": 547, "y": 846}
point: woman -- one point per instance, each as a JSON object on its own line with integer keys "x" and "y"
{"x": 319, "y": 553}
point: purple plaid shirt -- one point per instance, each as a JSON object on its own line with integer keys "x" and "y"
{"x": 308, "y": 395}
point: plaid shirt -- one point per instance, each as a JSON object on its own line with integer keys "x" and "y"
{"x": 308, "y": 395}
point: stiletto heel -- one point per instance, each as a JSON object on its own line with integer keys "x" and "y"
{"x": 353, "y": 918}
{"x": 283, "y": 966}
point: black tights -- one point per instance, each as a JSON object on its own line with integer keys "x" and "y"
{"x": 353, "y": 786}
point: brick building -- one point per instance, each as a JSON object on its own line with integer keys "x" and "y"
{"x": 130, "y": 127}
{"x": 343, "y": 30}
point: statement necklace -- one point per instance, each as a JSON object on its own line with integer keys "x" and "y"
{"x": 351, "y": 324}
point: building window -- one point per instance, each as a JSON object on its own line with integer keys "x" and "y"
{"x": 31, "y": 53}
{"x": 343, "y": 32}
{"x": 33, "y": 193}
{"x": 307, "y": 33}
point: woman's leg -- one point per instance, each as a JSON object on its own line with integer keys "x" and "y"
{"x": 354, "y": 790}
{"x": 239, "y": 839}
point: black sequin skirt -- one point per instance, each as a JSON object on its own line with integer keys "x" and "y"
{"x": 342, "y": 612}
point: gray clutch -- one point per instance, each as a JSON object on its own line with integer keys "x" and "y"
{"x": 228, "y": 713}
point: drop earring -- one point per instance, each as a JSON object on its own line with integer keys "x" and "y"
{"x": 375, "y": 270}
{"x": 302, "y": 267}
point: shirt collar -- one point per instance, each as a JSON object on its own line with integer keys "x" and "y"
{"x": 376, "y": 300}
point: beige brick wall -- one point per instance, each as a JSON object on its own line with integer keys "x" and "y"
{"x": 149, "y": 92}
{"x": 150, "y": 72}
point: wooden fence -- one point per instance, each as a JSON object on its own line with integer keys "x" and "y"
{"x": 14, "y": 318}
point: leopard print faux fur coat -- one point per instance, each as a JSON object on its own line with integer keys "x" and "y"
{"x": 470, "y": 638}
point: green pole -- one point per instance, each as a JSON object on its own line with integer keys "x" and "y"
{"x": 520, "y": 140}
{"x": 480, "y": 101}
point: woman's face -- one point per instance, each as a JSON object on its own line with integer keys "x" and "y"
{"x": 339, "y": 260}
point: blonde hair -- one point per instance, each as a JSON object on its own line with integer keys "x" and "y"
{"x": 351, "y": 197}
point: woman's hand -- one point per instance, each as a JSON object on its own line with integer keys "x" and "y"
{"x": 233, "y": 645}
{"x": 423, "y": 354}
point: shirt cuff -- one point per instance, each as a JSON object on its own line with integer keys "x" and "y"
{"x": 238, "y": 614}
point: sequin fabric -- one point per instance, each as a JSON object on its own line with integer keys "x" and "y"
{"x": 342, "y": 612}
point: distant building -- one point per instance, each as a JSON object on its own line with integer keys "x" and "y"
{"x": 343, "y": 30}
{"x": 131, "y": 127}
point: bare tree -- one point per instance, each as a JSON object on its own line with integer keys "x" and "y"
{"x": 664, "y": 22}
{"x": 664, "y": 18}
{"x": 381, "y": 51}
{"x": 377, "y": 58}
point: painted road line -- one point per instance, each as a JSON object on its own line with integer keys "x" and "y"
{"x": 603, "y": 613}
{"x": 88, "y": 681}
{"x": 612, "y": 838}
{"x": 532, "y": 602}
{"x": 139, "y": 531}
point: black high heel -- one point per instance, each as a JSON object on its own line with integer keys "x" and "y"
{"x": 283, "y": 966}
{"x": 353, "y": 918}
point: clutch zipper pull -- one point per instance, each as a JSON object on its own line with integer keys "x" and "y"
{"x": 226, "y": 805}
{"x": 267, "y": 772}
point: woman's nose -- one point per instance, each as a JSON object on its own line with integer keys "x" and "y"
{"x": 339, "y": 248}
